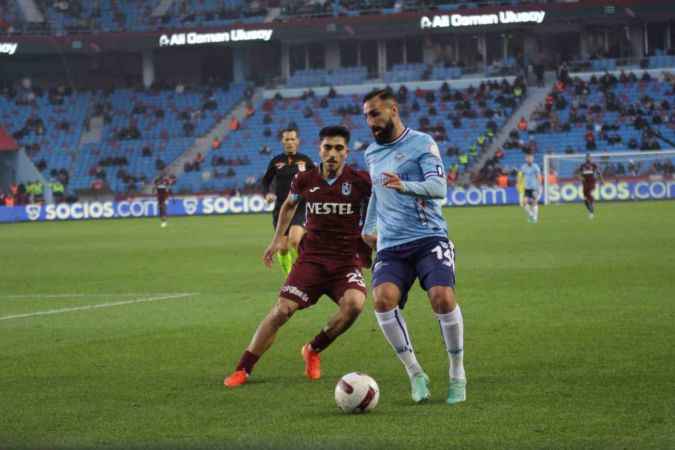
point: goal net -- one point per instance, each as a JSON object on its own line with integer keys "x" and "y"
{"x": 642, "y": 175}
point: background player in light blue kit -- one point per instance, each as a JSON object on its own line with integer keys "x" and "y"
{"x": 532, "y": 178}
{"x": 409, "y": 184}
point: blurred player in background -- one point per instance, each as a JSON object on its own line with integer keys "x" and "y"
{"x": 331, "y": 257}
{"x": 412, "y": 242}
{"x": 520, "y": 188}
{"x": 280, "y": 171}
{"x": 589, "y": 173}
{"x": 532, "y": 177}
{"x": 162, "y": 191}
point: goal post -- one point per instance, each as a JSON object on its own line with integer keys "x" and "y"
{"x": 635, "y": 175}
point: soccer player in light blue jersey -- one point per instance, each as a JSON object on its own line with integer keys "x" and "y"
{"x": 532, "y": 180}
{"x": 406, "y": 225}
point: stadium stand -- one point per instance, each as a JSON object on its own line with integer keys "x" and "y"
{"x": 607, "y": 113}
{"x": 209, "y": 13}
{"x": 319, "y": 77}
{"x": 47, "y": 123}
{"x": 9, "y": 16}
{"x": 141, "y": 129}
{"x": 69, "y": 16}
{"x": 145, "y": 132}
{"x": 75, "y": 16}
{"x": 461, "y": 121}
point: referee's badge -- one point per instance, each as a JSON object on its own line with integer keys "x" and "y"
{"x": 301, "y": 166}
{"x": 346, "y": 189}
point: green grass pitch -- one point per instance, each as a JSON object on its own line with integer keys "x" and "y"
{"x": 570, "y": 338}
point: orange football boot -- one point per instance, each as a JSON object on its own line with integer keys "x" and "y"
{"x": 312, "y": 362}
{"x": 236, "y": 379}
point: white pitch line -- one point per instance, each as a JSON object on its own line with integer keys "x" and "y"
{"x": 41, "y": 296}
{"x": 100, "y": 305}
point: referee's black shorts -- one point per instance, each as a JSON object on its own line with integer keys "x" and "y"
{"x": 298, "y": 218}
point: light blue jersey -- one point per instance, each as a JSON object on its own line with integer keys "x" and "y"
{"x": 531, "y": 176}
{"x": 416, "y": 213}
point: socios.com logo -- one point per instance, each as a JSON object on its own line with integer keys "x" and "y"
{"x": 33, "y": 212}
{"x": 235, "y": 205}
{"x": 96, "y": 210}
{"x": 643, "y": 190}
{"x": 190, "y": 205}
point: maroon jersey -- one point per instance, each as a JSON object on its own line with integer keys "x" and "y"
{"x": 334, "y": 217}
{"x": 162, "y": 188}
{"x": 588, "y": 172}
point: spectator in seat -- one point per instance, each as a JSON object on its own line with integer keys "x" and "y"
{"x": 522, "y": 124}
{"x": 216, "y": 143}
{"x": 307, "y": 112}
{"x": 590, "y": 140}
{"x": 234, "y": 124}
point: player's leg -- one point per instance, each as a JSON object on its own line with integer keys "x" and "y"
{"x": 262, "y": 340}
{"x": 535, "y": 208}
{"x": 295, "y": 234}
{"x": 283, "y": 257}
{"x": 527, "y": 206}
{"x": 162, "y": 213}
{"x": 350, "y": 305}
{"x": 435, "y": 266}
{"x": 392, "y": 278}
{"x": 589, "y": 200}
{"x": 451, "y": 322}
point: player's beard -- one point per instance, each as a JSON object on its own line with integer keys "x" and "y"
{"x": 386, "y": 134}
{"x": 332, "y": 171}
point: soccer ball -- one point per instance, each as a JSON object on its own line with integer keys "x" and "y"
{"x": 356, "y": 393}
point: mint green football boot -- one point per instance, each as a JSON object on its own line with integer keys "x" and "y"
{"x": 419, "y": 384}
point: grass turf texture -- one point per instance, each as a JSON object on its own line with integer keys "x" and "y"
{"x": 569, "y": 338}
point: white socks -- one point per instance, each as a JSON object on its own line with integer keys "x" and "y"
{"x": 452, "y": 328}
{"x": 532, "y": 212}
{"x": 396, "y": 333}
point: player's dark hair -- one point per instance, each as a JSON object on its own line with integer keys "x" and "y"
{"x": 335, "y": 130}
{"x": 288, "y": 130}
{"x": 382, "y": 94}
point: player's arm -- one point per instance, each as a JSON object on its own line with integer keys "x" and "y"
{"x": 369, "y": 231}
{"x": 267, "y": 180}
{"x": 435, "y": 184}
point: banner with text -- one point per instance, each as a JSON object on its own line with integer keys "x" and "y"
{"x": 217, "y": 205}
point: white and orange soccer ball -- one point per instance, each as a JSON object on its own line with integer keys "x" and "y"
{"x": 356, "y": 393}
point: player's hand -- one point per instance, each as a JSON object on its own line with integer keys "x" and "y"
{"x": 393, "y": 181}
{"x": 270, "y": 251}
{"x": 270, "y": 198}
{"x": 370, "y": 239}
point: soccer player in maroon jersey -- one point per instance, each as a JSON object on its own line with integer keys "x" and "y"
{"x": 331, "y": 254}
{"x": 589, "y": 172}
{"x": 162, "y": 191}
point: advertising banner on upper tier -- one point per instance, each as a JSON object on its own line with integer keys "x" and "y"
{"x": 218, "y": 205}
